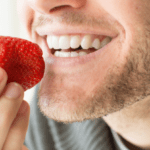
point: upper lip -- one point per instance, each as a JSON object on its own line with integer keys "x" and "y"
{"x": 72, "y": 30}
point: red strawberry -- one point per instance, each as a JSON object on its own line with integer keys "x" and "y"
{"x": 22, "y": 60}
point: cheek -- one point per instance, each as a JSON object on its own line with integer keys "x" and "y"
{"x": 26, "y": 15}
{"x": 133, "y": 17}
{"x": 130, "y": 14}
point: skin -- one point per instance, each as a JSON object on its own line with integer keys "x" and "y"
{"x": 14, "y": 112}
{"x": 114, "y": 85}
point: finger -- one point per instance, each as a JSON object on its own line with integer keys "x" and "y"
{"x": 18, "y": 129}
{"x": 10, "y": 102}
{"x": 24, "y": 148}
{"x": 3, "y": 79}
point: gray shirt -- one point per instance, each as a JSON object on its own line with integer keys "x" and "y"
{"x": 46, "y": 134}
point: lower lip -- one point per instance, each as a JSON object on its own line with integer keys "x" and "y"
{"x": 73, "y": 61}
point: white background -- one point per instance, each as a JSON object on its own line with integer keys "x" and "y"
{"x": 11, "y": 26}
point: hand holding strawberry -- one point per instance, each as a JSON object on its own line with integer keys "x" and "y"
{"x": 20, "y": 61}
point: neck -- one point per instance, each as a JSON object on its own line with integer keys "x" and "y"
{"x": 131, "y": 146}
{"x": 132, "y": 124}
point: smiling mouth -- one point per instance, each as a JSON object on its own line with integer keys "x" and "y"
{"x": 76, "y": 45}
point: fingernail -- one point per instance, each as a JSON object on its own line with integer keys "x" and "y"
{"x": 13, "y": 91}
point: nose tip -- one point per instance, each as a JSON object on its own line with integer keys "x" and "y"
{"x": 48, "y": 6}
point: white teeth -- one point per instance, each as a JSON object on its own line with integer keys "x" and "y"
{"x": 69, "y": 54}
{"x": 64, "y": 42}
{"x": 82, "y": 53}
{"x": 74, "y": 54}
{"x": 64, "y": 54}
{"x": 105, "y": 41}
{"x": 56, "y": 53}
{"x": 75, "y": 42}
{"x": 49, "y": 41}
{"x": 96, "y": 44}
{"x": 67, "y": 42}
{"x": 55, "y": 42}
{"x": 86, "y": 42}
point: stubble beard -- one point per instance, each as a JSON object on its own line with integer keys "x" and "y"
{"x": 120, "y": 89}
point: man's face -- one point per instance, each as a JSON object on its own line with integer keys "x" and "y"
{"x": 103, "y": 81}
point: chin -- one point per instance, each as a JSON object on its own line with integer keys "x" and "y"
{"x": 68, "y": 111}
{"x": 68, "y": 104}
